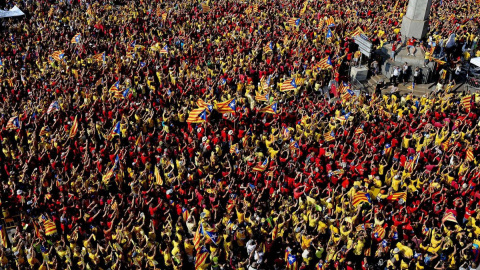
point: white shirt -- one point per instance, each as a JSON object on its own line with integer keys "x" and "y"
{"x": 250, "y": 246}
{"x": 395, "y": 72}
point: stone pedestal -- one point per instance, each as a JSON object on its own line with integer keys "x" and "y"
{"x": 360, "y": 73}
{"x": 415, "y": 21}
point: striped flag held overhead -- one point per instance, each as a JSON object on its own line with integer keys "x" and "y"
{"x": 361, "y": 197}
{"x": 356, "y": 32}
{"x": 329, "y": 136}
{"x": 58, "y": 55}
{"x": 50, "y": 227}
{"x": 293, "y": 144}
{"x": 198, "y": 236}
{"x": 115, "y": 87}
{"x": 347, "y": 95}
{"x": 201, "y": 258}
{"x": 321, "y": 24}
{"x": 325, "y": 63}
{"x": 53, "y": 107}
{"x": 397, "y": 196}
{"x": 198, "y": 115}
{"x": 330, "y": 22}
{"x": 359, "y": 130}
{"x": 449, "y": 217}
{"x": 288, "y": 85}
{"x": 466, "y": 102}
{"x": 44, "y": 131}
{"x": 261, "y": 167}
{"x": 268, "y": 48}
{"x": 202, "y": 104}
{"x": 99, "y": 57}
{"x": 13, "y": 123}
{"x": 343, "y": 117}
{"x": 259, "y": 97}
{"x": 76, "y": 38}
{"x": 116, "y": 130}
{"x": 234, "y": 149}
{"x": 379, "y": 232}
{"x": 269, "y": 109}
{"x": 164, "y": 50}
{"x": 228, "y": 106}
{"x": 469, "y": 155}
{"x": 74, "y": 129}
{"x": 293, "y": 21}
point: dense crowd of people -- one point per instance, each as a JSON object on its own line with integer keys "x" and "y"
{"x": 197, "y": 135}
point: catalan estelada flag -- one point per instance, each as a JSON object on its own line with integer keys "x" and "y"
{"x": 358, "y": 31}
{"x": 343, "y": 117}
{"x": 164, "y": 50}
{"x": 361, "y": 197}
{"x": 259, "y": 97}
{"x": 1, "y": 63}
{"x": 330, "y": 22}
{"x": 359, "y": 130}
{"x": 3, "y": 236}
{"x": 44, "y": 131}
{"x": 228, "y": 106}
{"x": 397, "y": 196}
{"x": 379, "y": 232}
{"x": 110, "y": 172}
{"x": 76, "y": 38}
{"x": 116, "y": 130}
{"x": 99, "y": 57}
{"x": 268, "y": 48}
{"x": 74, "y": 129}
{"x": 261, "y": 167}
{"x": 131, "y": 46}
{"x": 115, "y": 87}
{"x": 203, "y": 104}
{"x": 13, "y": 123}
{"x": 293, "y": 144}
{"x": 269, "y": 109}
{"x": 387, "y": 149}
{"x": 347, "y": 95}
{"x": 198, "y": 236}
{"x": 58, "y": 55}
{"x": 288, "y": 85}
{"x": 293, "y": 21}
{"x": 329, "y": 34}
{"x": 201, "y": 258}
{"x": 198, "y": 115}
{"x": 292, "y": 262}
{"x": 234, "y": 149}
{"x": 449, "y": 217}
{"x": 329, "y": 136}
{"x": 211, "y": 235}
{"x": 466, "y": 102}
{"x": 325, "y": 63}
{"x": 53, "y": 107}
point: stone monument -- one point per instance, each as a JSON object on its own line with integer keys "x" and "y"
{"x": 415, "y": 21}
